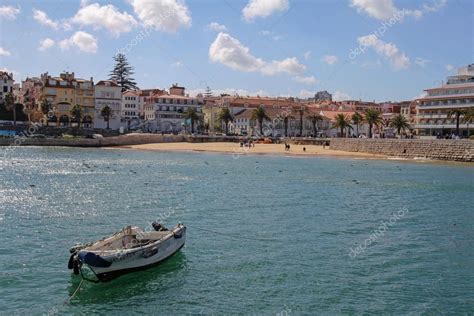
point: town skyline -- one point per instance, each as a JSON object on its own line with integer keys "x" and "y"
{"x": 277, "y": 50}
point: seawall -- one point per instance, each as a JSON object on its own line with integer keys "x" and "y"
{"x": 439, "y": 149}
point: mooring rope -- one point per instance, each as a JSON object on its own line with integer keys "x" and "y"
{"x": 231, "y": 236}
{"x": 75, "y": 292}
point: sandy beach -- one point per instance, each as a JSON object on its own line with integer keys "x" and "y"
{"x": 235, "y": 149}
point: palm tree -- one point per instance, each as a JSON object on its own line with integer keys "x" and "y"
{"x": 468, "y": 118}
{"x": 46, "y": 107}
{"x": 192, "y": 115}
{"x": 315, "y": 118}
{"x": 342, "y": 122}
{"x": 10, "y": 105}
{"x": 260, "y": 115}
{"x": 106, "y": 113}
{"x": 399, "y": 122}
{"x": 372, "y": 117}
{"x": 226, "y": 116}
{"x": 76, "y": 113}
{"x": 457, "y": 114}
{"x": 301, "y": 111}
{"x": 357, "y": 119}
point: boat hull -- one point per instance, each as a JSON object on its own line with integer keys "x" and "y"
{"x": 110, "y": 266}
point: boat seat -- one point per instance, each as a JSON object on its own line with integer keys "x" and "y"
{"x": 152, "y": 235}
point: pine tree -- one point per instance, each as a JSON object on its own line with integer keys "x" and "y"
{"x": 208, "y": 92}
{"x": 122, "y": 73}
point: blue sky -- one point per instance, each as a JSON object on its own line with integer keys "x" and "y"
{"x": 269, "y": 47}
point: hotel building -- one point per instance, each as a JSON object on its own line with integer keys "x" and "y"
{"x": 432, "y": 117}
{"x": 66, "y": 91}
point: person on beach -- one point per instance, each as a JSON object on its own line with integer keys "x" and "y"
{"x": 304, "y": 149}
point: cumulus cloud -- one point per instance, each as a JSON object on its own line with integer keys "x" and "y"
{"x": 107, "y": 17}
{"x": 82, "y": 40}
{"x": 388, "y": 50}
{"x": 385, "y": 9}
{"x": 9, "y": 12}
{"x": 214, "y": 26}
{"x": 4, "y": 52}
{"x": 263, "y": 8}
{"x": 164, "y": 15}
{"x": 306, "y": 80}
{"x": 46, "y": 44}
{"x": 329, "y": 59}
{"x": 340, "y": 96}
{"x": 42, "y": 18}
{"x": 233, "y": 54}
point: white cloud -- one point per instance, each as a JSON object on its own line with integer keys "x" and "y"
{"x": 164, "y": 15}
{"x": 177, "y": 64}
{"x": 214, "y": 26}
{"x": 340, "y": 96}
{"x": 306, "y": 80}
{"x": 388, "y": 50}
{"x": 307, "y": 55}
{"x": 263, "y": 8}
{"x": 229, "y": 91}
{"x": 233, "y": 54}
{"x": 449, "y": 67}
{"x": 329, "y": 59}
{"x": 107, "y": 17}
{"x": 306, "y": 94}
{"x": 82, "y": 40}
{"x": 43, "y": 19}
{"x": 4, "y": 52}
{"x": 9, "y": 12}
{"x": 385, "y": 9}
{"x": 421, "y": 62}
{"x": 46, "y": 44}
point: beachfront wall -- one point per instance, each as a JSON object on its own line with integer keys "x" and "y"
{"x": 440, "y": 149}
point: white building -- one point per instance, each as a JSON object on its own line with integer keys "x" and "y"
{"x": 131, "y": 105}
{"x": 6, "y": 84}
{"x": 108, "y": 93}
{"x": 457, "y": 94}
{"x": 169, "y": 110}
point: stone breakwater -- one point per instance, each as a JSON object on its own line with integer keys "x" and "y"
{"x": 438, "y": 149}
{"x": 122, "y": 140}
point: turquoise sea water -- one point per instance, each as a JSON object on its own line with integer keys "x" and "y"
{"x": 297, "y": 220}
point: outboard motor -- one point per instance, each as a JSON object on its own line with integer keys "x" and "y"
{"x": 158, "y": 227}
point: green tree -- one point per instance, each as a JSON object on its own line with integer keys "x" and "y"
{"x": 122, "y": 73}
{"x": 372, "y": 117}
{"x": 208, "y": 92}
{"x": 10, "y": 105}
{"x": 225, "y": 115}
{"x": 106, "y": 113}
{"x": 357, "y": 119}
{"x": 301, "y": 112}
{"x": 399, "y": 122}
{"x": 46, "y": 107}
{"x": 457, "y": 113}
{"x": 76, "y": 113}
{"x": 191, "y": 115}
{"x": 468, "y": 118}
{"x": 342, "y": 122}
{"x": 315, "y": 119}
{"x": 259, "y": 114}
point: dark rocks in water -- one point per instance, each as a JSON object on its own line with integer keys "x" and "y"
{"x": 32, "y": 185}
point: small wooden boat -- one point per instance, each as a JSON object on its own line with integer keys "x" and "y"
{"x": 128, "y": 250}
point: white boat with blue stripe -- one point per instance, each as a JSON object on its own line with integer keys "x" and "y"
{"x": 128, "y": 250}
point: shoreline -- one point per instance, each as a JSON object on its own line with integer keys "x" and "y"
{"x": 260, "y": 149}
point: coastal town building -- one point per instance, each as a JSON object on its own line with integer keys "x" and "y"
{"x": 436, "y": 112}
{"x": 6, "y": 84}
{"x": 108, "y": 94}
{"x": 131, "y": 106}
{"x": 322, "y": 96}
{"x": 66, "y": 91}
